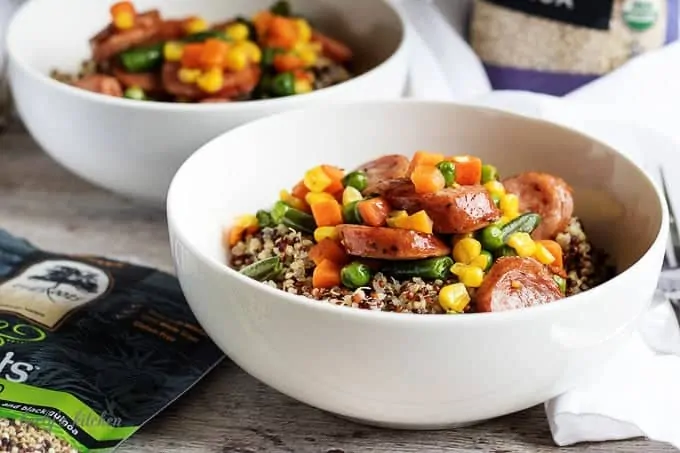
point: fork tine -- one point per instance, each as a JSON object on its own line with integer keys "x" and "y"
{"x": 674, "y": 241}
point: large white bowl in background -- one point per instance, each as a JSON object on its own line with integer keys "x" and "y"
{"x": 400, "y": 370}
{"x": 134, "y": 148}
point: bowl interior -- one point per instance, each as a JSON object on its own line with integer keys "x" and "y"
{"x": 244, "y": 170}
{"x": 372, "y": 28}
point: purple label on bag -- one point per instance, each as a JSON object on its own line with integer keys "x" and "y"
{"x": 584, "y": 13}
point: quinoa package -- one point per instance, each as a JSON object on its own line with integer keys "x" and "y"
{"x": 556, "y": 46}
{"x": 90, "y": 349}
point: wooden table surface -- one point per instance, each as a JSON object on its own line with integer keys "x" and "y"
{"x": 228, "y": 411}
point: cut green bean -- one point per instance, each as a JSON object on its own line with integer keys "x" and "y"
{"x": 561, "y": 283}
{"x": 430, "y": 268}
{"x": 142, "y": 59}
{"x": 489, "y": 173}
{"x": 525, "y": 223}
{"x": 264, "y": 219}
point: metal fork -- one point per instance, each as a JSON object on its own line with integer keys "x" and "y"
{"x": 669, "y": 280}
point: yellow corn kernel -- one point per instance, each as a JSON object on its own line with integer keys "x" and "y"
{"x": 395, "y": 218}
{"x": 543, "y": 255}
{"x": 292, "y": 201}
{"x": 237, "y": 31}
{"x": 510, "y": 205}
{"x": 196, "y": 25}
{"x": 172, "y": 51}
{"x": 186, "y": 75}
{"x": 303, "y": 86}
{"x": 247, "y": 221}
{"x": 236, "y": 59}
{"x": 482, "y": 261}
{"x": 456, "y": 238}
{"x": 308, "y": 55}
{"x": 522, "y": 243}
{"x": 211, "y": 81}
{"x": 313, "y": 197}
{"x": 326, "y": 232}
{"x": 124, "y": 20}
{"x": 304, "y": 30}
{"x": 466, "y": 250}
{"x": 495, "y": 188}
{"x": 252, "y": 51}
{"x": 472, "y": 276}
{"x": 316, "y": 179}
{"x": 454, "y": 298}
{"x": 351, "y": 194}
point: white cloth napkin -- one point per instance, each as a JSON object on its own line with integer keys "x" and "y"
{"x": 637, "y": 394}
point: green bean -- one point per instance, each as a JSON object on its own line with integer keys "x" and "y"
{"x": 491, "y": 237}
{"x": 448, "y": 169}
{"x": 356, "y": 179}
{"x": 266, "y": 269}
{"x": 142, "y": 59}
{"x": 264, "y": 219}
{"x": 279, "y": 211}
{"x": 135, "y": 93}
{"x": 283, "y": 84}
{"x": 268, "y": 55}
{"x": 430, "y": 268}
{"x": 489, "y": 173}
{"x": 205, "y": 35}
{"x": 525, "y": 223}
{"x": 356, "y": 275}
{"x": 505, "y": 250}
{"x": 350, "y": 213}
{"x": 293, "y": 218}
{"x": 281, "y": 8}
{"x": 561, "y": 283}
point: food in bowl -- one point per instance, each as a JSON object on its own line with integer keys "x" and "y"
{"x": 275, "y": 53}
{"x": 431, "y": 234}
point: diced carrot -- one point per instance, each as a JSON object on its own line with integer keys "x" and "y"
{"x": 468, "y": 169}
{"x": 300, "y": 190}
{"x": 332, "y": 48}
{"x": 285, "y": 62}
{"x": 301, "y": 74}
{"x": 374, "y": 211}
{"x": 191, "y": 55}
{"x": 326, "y": 275}
{"x": 328, "y": 249}
{"x": 555, "y": 250}
{"x": 335, "y": 187}
{"x": 122, "y": 8}
{"x": 327, "y": 213}
{"x": 213, "y": 53}
{"x": 427, "y": 179}
{"x": 234, "y": 235}
{"x": 261, "y": 21}
{"x": 282, "y": 33}
{"x": 334, "y": 172}
{"x": 424, "y": 158}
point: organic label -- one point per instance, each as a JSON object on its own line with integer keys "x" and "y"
{"x": 640, "y": 15}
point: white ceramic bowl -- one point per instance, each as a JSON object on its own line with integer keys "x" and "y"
{"x": 401, "y": 370}
{"x": 134, "y": 148}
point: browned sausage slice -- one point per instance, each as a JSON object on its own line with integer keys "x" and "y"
{"x": 99, "y": 83}
{"x": 546, "y": 195}
{"x": 110, "y": 42}
{"x": 455, "y": 210}
{"x": 332, "y": 48}
{"x": 150, "y": 82}
{"x": 239, "y": 83}
{"x": 515, "y": 282}
{"x": 234, "y": 84}
{"x": 390, "y": 243}
{"x": 176, "y": 87}
{"x": 382, "y": 170}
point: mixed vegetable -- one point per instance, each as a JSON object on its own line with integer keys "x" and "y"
{"x": 491, "y": 242}
{"x": 274, "y": 53}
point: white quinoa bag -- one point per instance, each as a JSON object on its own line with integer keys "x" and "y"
{"x": 556, "y": 46}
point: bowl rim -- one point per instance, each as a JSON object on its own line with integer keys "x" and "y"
{"x": 14, "y": 58}
{"x": 576, "y": 300}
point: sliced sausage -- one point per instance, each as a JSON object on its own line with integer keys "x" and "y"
{"x": 546, "y": 195}
{"x": 454, "y": 210}
{"x": 390, "y": 243}
{"x": 150, "y": 82}
{"x": 515, "y": 282}
{"x": 239, "y": 83}
{"x": 332, "y": 48}
{"x": 383, "y": 169}
{"x": 171, "y": 30}
{"x": 99, "y": 83}
{"x": 110, "y": 42}
{"x": 176, "y": 87}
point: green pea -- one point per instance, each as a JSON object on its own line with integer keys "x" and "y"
{"x": 491, "y": 238}
{"x": 281, "y": 8}
{"x": 350, "y": 213}
{"x": 283, "y": 84}
{"x": 135, "y": 93}
{"x": 356, "y": 275}
{"x": 561, "y": 283}
{"x": 264, "y": 219}
{"x": 506, "y": 250}
{"x": 489, "y": 259}
{"x": 448, "y": 169}
{"x": 356, "y": 179}
{"x": 489, "y": 173}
